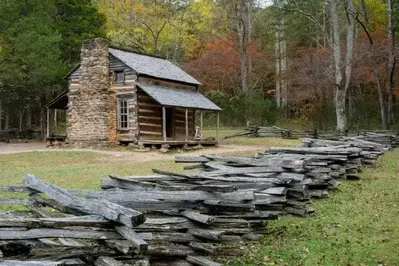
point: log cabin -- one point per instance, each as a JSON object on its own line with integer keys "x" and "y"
{"x": 122, "y": 96}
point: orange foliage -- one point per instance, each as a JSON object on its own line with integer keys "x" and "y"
{"x": 218, "y": 65}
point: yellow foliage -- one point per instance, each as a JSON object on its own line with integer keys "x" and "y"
{"x": 160, "y": 26}
{"x": 376, "y": 13}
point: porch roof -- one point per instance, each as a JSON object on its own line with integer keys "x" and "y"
{"x": 59, "y": 102}
{"x": 175, "y": 97}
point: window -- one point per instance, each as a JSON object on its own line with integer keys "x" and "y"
{"x": 119, "y": 76}
{"x": 123, "y": 114}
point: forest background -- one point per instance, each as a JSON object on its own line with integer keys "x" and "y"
{"x": 310, "y": 64}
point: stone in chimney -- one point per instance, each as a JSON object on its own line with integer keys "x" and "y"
{"x": 89, "y": 103}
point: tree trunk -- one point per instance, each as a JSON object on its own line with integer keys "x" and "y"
{"x": 278, "y": 68}
{"x": 28, "y": 117}
{"x": 42, "y": 122}
{"x": 340, "y": 109}
{"x": 281, "y": 64}
{"x": 1, "y": 115}
{"x": 376, "y": 71}
{"x": 244, "y": 72}
{"x": 284, "y": 85}
{"x": 350, "y": 32}
{"x": 248, "y": 22}
{"x": 391, "y": 64}
{"x": 340, "y": 94}
{"x": 21, "y": 115}
{"x": 242, "y": 43}
{"x": 7, "y": 122}
{"x": 380, "y": 89}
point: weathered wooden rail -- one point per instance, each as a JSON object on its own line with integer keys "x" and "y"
{"x": 274, "y": 131}
{"x": 185, "y": 218}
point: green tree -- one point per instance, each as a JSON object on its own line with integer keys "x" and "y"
{"x": 77, "y": 20}
{"x": 39, "y": 41}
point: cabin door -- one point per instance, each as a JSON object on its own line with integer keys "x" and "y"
{"x": 170, "y": 127}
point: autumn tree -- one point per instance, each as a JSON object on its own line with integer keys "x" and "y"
{"x": 367, "y": 18}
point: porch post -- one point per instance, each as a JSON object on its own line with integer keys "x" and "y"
{"x": 48, "y": 123}
{"x": 55, "y": 117}
{"x": 186, "y": 124}
{"x": 201, "y": 123}
{"x": 217, "y": 127}
{"x": 164, "y": 123}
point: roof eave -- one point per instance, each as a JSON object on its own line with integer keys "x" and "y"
{"x": 217, "y": 109}
{"x": 72, "y": 70}
{"x": 57, "y": 98}
{"x": 170, "y": 80}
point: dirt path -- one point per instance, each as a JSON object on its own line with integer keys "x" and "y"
{"x": 12, "y": 148}
{"x": 9, "y": 148}
{"x": 155, "y": 155}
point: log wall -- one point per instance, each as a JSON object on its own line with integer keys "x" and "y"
{"x": 150, "y": 113}
{"x": 123, "y": 91}
{"x": 150, "y": 117}
{"x": 145, "y": 115}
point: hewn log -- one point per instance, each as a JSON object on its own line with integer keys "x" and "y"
{"x": 73, "y": 262}
{"x": 197, "y": 217}
{"x": 107, "y": 261}
{"x": 158, "y": 205}
{"x": 123, "y": 246}
{"x": 275, "y": 191}
{"x": 217, "y": 206}
{"x": 57, "y": 233}
{"x": 62, "y": 253}
{"x": 70, "y": 242}
{"x": 104, "y": 208}
{"x": 145, "y": 186}
{"x": 191, "y": 159}
{"x": 285, "y": 163}
{"x": 212, "y": 235}
{"x": 148, "y": 178}
{"x": 16, "y": 189}
{"x": 170, "y": 251}
{"x": 39, "y": 200}
{"x": 266, "y": 215}
{"x": 321, "y": 150}
{"x": 202, "y": 261}
{"x": 30, "y": 263}
{"x": 174, "y": 237}
{"x": 133, "y": 237}
{"x": 90, "y": 221}
{"x": 38, "y": 211}
{"x": 10, "y": 201}
{"x": 202, "y": 247}
{"x": 120, "y": 196}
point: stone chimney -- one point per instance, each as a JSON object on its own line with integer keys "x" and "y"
{"x": 89, "y": 101}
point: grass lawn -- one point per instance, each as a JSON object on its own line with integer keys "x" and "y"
{"x": 266, "y": 142}
{"x": 358, "y": 225}
{"x": 73, "y": 169}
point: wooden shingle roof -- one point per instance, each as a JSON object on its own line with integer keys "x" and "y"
{"x": 153, "y": 66}
{"x": 176, "y": 97}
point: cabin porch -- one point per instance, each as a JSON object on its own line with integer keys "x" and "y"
{"x": 172, "y": 116}
{"x": 59, "y": 103}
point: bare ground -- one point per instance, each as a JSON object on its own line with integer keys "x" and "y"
{"x": 136, "y": 156}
